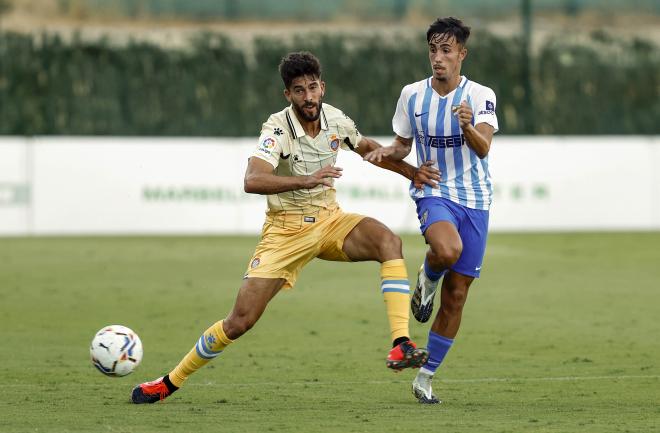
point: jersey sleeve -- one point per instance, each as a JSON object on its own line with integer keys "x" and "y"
{"x": 272, "y": 143}
{"x": 484, "y": 107}
{"x": 401, "y": 120}
{"x": 351, "y": 136}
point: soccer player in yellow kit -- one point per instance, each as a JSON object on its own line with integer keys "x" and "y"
{"x": 294, "y": 165}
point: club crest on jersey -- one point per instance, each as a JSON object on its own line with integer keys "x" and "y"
{"x": 334, "y": 142}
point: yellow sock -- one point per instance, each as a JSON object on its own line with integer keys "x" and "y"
{"x": 396, "y": 291}
{"x": 210, "y": 344}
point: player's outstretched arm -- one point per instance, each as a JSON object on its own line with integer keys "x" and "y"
{"x": 260, "y": 178}
{"x": 398, "y": 150}
{"x": 393, "y": 161}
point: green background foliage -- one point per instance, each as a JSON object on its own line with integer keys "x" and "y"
{"x": 214, "y": 88}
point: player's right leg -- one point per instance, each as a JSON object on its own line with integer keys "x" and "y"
{"x": 438, "y": 224}
{"x": 252, "y": 299}
{"x": 372, "y": 240}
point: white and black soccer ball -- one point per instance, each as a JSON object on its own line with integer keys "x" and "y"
{"x": 116, "y": 350}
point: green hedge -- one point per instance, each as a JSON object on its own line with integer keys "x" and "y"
{"x": 48, "y": 87}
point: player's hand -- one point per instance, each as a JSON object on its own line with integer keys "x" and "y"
{"x": 377, "y": 155}
{"x": 464, "y": 114}
{"x": 322, "y": 176}
{"x": 427, "y": 174}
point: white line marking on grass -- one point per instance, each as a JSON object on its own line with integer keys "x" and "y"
{"x": 375, "y": 382}
{"x": 476, "y": 380}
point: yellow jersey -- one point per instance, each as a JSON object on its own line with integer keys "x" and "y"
{"x": 285, "y": 145}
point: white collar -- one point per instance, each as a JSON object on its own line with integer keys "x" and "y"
{"x": 294, "y": 124}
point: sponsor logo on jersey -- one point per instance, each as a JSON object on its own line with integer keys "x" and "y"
{"x": 267, "y": 145}
{"x": 445, "y": 141}
{"x": 490, "y": 108}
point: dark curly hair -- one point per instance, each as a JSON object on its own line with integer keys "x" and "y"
{"x": 299, "y": 64}
{"x": 449, "y": 26}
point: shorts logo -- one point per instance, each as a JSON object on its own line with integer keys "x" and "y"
{"x": 334, "y": 142}
{"x": 255, "y": 262}
{"x": 424, "y": 217}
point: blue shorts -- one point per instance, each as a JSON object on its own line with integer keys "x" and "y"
{"x": 472, "y": 226}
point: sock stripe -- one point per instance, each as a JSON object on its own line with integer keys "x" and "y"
{"x": 395, "y": 282}
{"x": 389, "y": 290}
{"x": 398, "y": 286}
{"x": 204, "y": 351}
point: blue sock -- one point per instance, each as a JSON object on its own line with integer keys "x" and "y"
{"x": 438, "y": 347}
{"x": 434, "y": 276}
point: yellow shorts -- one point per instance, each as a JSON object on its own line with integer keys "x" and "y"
{"x": 289, "y": 243}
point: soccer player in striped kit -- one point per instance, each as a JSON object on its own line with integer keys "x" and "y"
{"x": 451, "y": 121}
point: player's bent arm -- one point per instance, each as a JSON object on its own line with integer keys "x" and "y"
{"x": 479, "y": 138}
{"x": 260, "y": 178}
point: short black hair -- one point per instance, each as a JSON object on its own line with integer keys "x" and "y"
{"x": 449, "y": 26}
{"x": 299, "y": 64}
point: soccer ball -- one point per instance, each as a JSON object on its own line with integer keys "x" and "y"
{"x": 116, "y": 350}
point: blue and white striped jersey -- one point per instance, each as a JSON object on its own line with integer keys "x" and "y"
{"x": 422, "y": 114}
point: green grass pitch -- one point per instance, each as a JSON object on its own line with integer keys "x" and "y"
{"x": 561, "y": 334}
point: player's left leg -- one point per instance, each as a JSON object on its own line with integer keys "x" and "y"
{"x": 251, "y": 302}
{"x": 372, "y": 240}
{"x": 453, "y": 295}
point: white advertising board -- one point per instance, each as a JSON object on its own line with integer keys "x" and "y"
{"x": 14, "y": 186}
{"x": 575, "y": 183}
{"x": 150, "y": 186}
{"x": 117, "y": 185}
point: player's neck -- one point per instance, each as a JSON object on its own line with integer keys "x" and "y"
{"x": 445, "y": 87}
{"x": 312, "y": 128}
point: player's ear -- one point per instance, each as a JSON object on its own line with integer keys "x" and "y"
{"x": 287, "y": 95}
{"x": 462, "y": 54}
{"x": 322, "y": 88}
